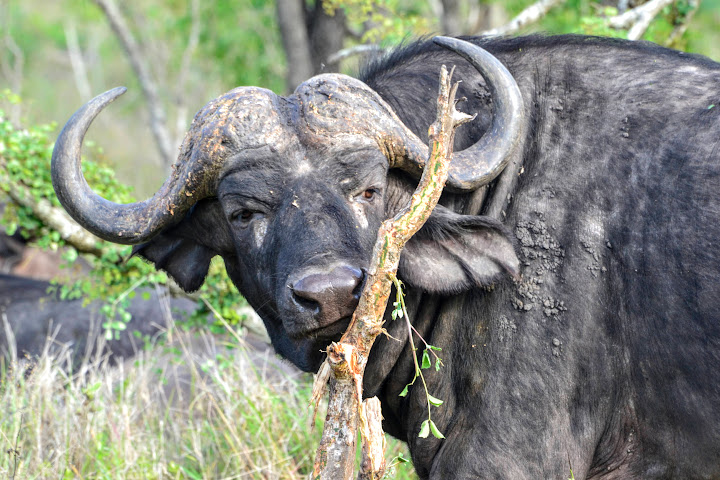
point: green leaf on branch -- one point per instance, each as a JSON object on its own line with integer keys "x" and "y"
{"x": 433, "y": 428}
{"x": 25, "y": 155}
{"x": 424, "y": 429}
{"x": 426, "y": 363}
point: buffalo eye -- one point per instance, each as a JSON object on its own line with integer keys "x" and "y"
{"x": 244, "y": 216}
{"x": 369, "y": 194}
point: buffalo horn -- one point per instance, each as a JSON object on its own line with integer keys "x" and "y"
{"x": 480, "y": 163}
{"x": 120, "y": 223}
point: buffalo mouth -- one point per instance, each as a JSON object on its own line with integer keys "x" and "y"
{"x": 329, "y": 333}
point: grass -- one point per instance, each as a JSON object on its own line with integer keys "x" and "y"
{"x": 196, "y": 407}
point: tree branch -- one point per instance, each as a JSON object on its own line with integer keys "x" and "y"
{"x": 54, "y": 217}
{"x": 76, "y": 60}
{"x": 347, "y": 358}
{"x": 372, "y": 465}
{"x": 450, "y": 20}
{"x": 142, "y": 71}
{"x": 678, "y": 31}
{"x": 365, "y": 49}
{"x": 638, "y": 19}
{"x": 180, "y": 93}
{"x": 530, "y": 15}
{"x": 326, "y": 33}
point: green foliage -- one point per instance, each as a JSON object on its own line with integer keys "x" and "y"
{"x": 590, "y": 17}
{"x": 400, "y": 311}
{"x": 115, "y": 275}
{"x": 384, "y": 21}
{"x": 249, "y": 55}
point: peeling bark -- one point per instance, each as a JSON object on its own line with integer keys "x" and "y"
{"x": 347, "y": 358}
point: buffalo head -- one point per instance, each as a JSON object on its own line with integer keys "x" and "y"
{"x": 291, "y": 191}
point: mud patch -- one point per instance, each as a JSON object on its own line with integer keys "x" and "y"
{"x": 556, "y": 347}
{"x": 507, "y": 328}
{"x": 595, "y": 267}
{"x": 541, "y": 256}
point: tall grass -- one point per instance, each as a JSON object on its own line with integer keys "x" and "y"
{"x": 195, "y": 407}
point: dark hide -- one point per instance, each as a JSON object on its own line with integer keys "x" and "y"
{"x": 603, "y": 358}
{"x": 33, "y": 321}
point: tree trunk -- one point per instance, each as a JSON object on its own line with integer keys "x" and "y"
{"x": 327, "y": 35}
{"x": 293, "y": 30}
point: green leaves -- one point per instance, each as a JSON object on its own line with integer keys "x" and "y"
{"x": 405, "y": 390}
{"x": 435, "y": 402}
{"x": 425, "y": 360}
{"x": 388, "y": 21}
{"x": 427, "y": 427}
{"x": 399, "y": 311}
{"x": 115, "y": 275}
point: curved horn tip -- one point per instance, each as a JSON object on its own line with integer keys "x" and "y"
{"x": 447, "y": 42}
{"x": 461, "y": 47}
{"x": 441, "y": 39}
{"x": 112, "y": 94}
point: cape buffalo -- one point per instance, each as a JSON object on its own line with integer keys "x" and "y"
{"x": 602, "y": 358}
{"x": 33, "y": 321}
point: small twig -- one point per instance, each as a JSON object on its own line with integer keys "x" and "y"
{"x": 128, "y": 290}
{"x": 352, "y": 51}
{"x": 531, "y": 14}
{"x": 222, "y": 320}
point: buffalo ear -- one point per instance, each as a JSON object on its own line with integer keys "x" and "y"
{"x": 184, "y": 250}
{"x": 184, "y": 260}
{"x": 453, "y": 253}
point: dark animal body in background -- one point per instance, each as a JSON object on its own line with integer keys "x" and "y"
{"x": 602, "y": 358}
{"x": 38, "y": 321}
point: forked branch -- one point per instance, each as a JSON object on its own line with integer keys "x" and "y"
{"x": 347, "y": 359}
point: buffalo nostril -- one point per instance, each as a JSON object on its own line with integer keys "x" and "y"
{"x": 304, "y": 296}
{"x": 330, "y": 296}
{"x": 360, "y": 275}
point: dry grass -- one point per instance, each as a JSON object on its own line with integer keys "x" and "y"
{"x": 195, "y": 407}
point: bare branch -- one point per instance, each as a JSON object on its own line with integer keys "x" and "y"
{"x": 530, "y": 15}
{"x": 347, "y": 358}
{"x": 372, "y": 465}
{"x": 638, "y": 19}
{"x": 76, "y": 60}
{"x": 54, "y": 217}
{"x": 180, "y": 96}
{"x": 341, "y": 55}
{"x": 140, "y": 66}
{"x": 678, "y": 31}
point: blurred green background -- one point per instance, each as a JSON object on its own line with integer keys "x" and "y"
{"x": 56, "y": 54}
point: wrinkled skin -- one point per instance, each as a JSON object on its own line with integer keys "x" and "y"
{"x": 603, "y": 357}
